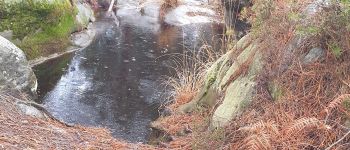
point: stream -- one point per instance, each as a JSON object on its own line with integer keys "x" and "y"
{"x": 116, "y": 82}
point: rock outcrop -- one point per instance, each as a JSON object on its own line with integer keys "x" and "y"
{"x": 232, "y": 80}
{"x": 85, "y": 14}
{"x": 15, "y": 72}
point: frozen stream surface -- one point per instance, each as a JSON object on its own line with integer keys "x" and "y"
{"x": 116, "y": 81}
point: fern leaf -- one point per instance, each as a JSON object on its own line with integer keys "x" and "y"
{"x": 303, "y": 123}
{"x": 269, "y": 127}
{"x": 257, "y": 142}
{"x": 337, "y": 102}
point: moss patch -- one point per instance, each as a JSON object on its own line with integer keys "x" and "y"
{"x": 43, "y": 27}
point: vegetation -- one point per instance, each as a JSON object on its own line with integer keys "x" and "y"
{"x": 42, "y": 27}
{"x": 301, "y": 106}
{"x": 297, "y": 105}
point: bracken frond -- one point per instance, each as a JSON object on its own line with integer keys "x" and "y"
{"x": 257, "y": 142}
{"x": 303, "y": 123}
{"x": 269, "y": 127}
{"x": 337, "y": 102}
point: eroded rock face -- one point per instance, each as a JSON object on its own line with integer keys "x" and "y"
{"x": 15, "y": 72}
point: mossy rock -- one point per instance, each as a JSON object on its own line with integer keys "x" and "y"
{"x": 218, "y": 74}
{"x": 239, "y": 93}
{"x": 43, "y": 27}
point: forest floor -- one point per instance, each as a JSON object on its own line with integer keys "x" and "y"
{"x": 19, "y": 131}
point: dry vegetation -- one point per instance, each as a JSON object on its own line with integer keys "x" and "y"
{"x": 311, "y": 109}
{"x": 166, "y": 6}
{"x": 312, "y": 106}
{"x": 18, "y": 131}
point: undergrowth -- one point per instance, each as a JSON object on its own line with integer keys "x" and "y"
{"x": 311, "y": 108}
{"x": 189, "y": 68}
{"x": 310, "y": 112}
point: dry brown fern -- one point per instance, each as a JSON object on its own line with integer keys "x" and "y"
{"x": 336, "y": 102}
{"x": 268, "y": 127}
{"x": 302, "y": 124}
{"x": 257, "y": 142}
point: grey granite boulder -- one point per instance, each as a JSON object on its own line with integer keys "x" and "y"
{"x": 85, "y": 14}
{"x": 15, "y": 72}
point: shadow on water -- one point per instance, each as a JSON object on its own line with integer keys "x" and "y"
{"x": 116, "y": 81}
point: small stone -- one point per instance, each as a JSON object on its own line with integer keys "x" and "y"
{"x": 166, "y": 112}
{"x": 30, "y": 110}
{"x": 314, "y": 55}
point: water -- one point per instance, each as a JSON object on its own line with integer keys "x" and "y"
{"x": 116, "y": 82}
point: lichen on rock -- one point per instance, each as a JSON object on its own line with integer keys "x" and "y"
{"x": 230, "y": 79}
{"x": 15, "y": 72}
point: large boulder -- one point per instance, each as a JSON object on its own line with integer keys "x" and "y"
{"x": 15, "y": 72}
{"x": 85, "y": 14}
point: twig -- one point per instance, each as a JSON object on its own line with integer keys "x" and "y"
{"x": 335, "y": 143}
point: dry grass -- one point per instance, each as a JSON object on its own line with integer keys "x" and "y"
{"x": 18, "y": 131}
{"x": 189, "y": 74}
{"x": 188, "y": 79}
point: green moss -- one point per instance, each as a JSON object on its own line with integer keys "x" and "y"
{"x": 43, "y": 27}
{"x": 309, "y": 30}
{"x": 336, "y": 50}
{"x": 346, "y": 104}
{"x": 275, "y": 91}
{"x": 51, "y": 39}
